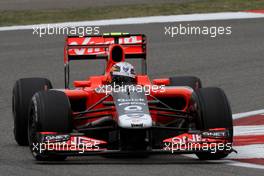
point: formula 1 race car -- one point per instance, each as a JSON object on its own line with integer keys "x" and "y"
{"x": 161, "y": 116}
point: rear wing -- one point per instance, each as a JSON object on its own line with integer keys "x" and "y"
{"x": 97, "y": 47}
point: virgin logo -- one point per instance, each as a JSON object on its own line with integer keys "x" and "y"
{"x": 99, "y": 41}
{"x": 82, "y": 50}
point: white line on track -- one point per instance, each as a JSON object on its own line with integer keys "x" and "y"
{"x": 249, "y": 130}
{"x": 145, "y": 20}
{"x": 246, "y": 114}
{"x": 247, "y": 152}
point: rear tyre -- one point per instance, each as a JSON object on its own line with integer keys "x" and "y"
{"x": 23, "y": 91}
{"x": 50, "y": 112}
{"x": 190, "y": 81}
{"x": 215, "y": 112}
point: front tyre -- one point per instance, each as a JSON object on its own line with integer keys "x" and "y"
{"x": 50, "y": 112}
{"x": 23, "y": 91}
{"x": 215, "y": 112}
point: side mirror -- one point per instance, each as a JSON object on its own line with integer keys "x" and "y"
{"x": 165, "y": 82}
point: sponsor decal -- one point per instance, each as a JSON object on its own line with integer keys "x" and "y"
{"x": 137, "y": 125}
{"x": 133, "y": 108}
{"x": 125, "y": 68}
{"x": 56, "y": 138}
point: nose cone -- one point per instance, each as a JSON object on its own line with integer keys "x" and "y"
{"x": 135, "y": 121}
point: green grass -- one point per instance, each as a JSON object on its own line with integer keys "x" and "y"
{"x": 49, "y": 16}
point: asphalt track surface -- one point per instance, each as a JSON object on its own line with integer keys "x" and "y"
{"x": 235, "y": 63}
{"x": 67, "y": 4}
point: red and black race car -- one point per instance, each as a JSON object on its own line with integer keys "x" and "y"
{"x": 159, "y": 116}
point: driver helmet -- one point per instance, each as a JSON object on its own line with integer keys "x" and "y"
{"x": 122, "y": 73}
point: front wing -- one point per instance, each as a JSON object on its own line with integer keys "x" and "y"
{"x": 212, "y": 140}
